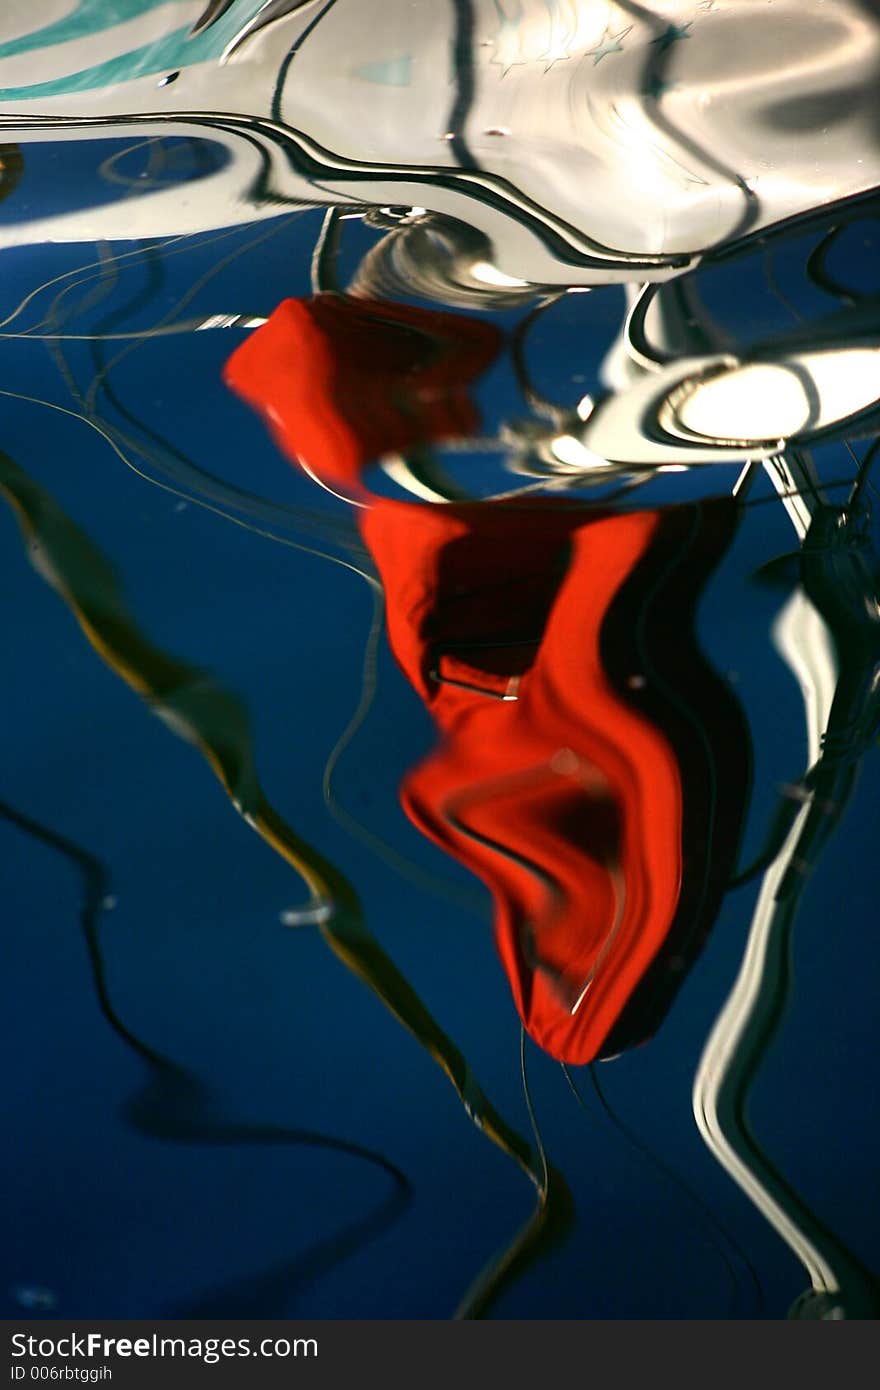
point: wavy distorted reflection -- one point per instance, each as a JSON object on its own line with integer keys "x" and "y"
{"x": 197, "y": 708}
{"x": 725, "y": 123}
{"x": 829, "y": 634}
{"x": 593, "y": 771}
{"x": 175, "y": 1105}
{"x": 591, "y": 282}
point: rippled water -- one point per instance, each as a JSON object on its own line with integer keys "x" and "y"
{"x": 441, "y": 593}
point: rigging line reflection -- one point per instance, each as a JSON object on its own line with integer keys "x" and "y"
{"x": 192, "y": 243}
{"x": 815, "y": 271}
{"x": 774, "y": 286}
{"x": 181, "y": 303}
{"x": 868, "y": 482}
{"x": 716, "y": 1233}
{"x": 174, "y": 1104}
{"x": 92, "y": 265}
{"x": 549, "y": 1225}
{"x": 817, "y": 267}
{"x": 836, "y": 574}
{"x": 191, "y": 472}
{"x": 202, "y": 711}
{"x": 103, "y": 266}
{"x": 862, "y": 477}
{"x": 96, "y": 287}
{"x": 147, "y": 251}
{"x": 246, "y": 502}
{"x": 181, "y": 469}
{"x": 157, "y": 1113}
{"x": 96, "y": 895}
{"x": 458, "y": 896}
{"x": 533, "y": 398}
{"x": 185, "y": 326}
{"x": 156, "y": 148}
{"x": 106, "y": 280}
{"x": 146, "y": 178}
{"x": 100, "y": 382}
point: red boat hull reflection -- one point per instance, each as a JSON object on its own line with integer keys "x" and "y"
{"x": 577, "y": 783}
{"x": 593, "y": 770}
{"x": 341, "y": 381}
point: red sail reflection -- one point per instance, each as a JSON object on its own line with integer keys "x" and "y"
{"x": 593, "y": 770}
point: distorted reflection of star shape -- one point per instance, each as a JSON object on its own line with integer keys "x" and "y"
{"x": 558, "y": 52}
{"x": 672, "y": 34}
{"x": 507, "y": 45}
{"x": 655, "y": 88}
{"x": 611, "y": 44}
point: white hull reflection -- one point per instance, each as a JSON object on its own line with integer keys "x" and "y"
{"x": 586, "y": 142}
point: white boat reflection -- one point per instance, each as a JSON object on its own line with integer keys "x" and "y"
{"x": 584, "y": 141}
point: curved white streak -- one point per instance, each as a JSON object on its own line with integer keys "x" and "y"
{"x": 399, "y": 471}
{"x": 341, "y": 496}
{"x": 802, "y": 639}
{"x": 720, "y": 1054}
